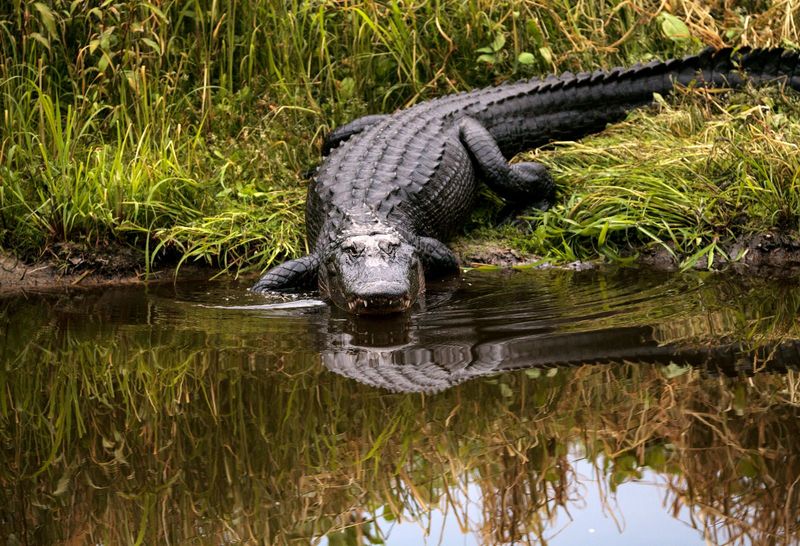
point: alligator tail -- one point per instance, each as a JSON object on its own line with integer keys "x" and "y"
{"x": 725, "y": 67}
{"x": 529, "y": 114}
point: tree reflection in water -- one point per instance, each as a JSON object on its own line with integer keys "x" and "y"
{"x": 151, "y": 416}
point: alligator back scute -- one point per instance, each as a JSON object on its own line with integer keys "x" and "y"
{"x": 455, "y": 175}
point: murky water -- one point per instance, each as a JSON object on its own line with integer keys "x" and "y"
{"x": 531, "y": 407}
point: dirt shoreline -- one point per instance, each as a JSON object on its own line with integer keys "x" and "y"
{"x": 47, "y": 275}
{"x": 770, "y": 254}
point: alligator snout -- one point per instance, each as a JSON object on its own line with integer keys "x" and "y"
{"x": 372, "y": 273}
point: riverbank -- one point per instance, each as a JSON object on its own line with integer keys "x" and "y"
{"x": 78, "y": 268}
{"x": 700, "y": 181}
{"x": 175, "y": 137}
{"x": 767, "y": 255}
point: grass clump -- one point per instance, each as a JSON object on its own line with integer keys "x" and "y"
{"x": 698, "y": 178}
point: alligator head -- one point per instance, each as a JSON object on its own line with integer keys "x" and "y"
{"x": 372, "y": 270}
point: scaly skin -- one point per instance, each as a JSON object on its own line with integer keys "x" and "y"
{"x": 394, "y": 187}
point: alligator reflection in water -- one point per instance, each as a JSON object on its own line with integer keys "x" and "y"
{"x": 523, "y": 321}
{"x": 159, "y": 416}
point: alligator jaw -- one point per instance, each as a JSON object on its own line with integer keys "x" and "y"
{"x": 379, "y": 305}
{"x": 382, "y": 297}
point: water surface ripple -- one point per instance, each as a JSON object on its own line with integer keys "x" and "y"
{"x": 498, "y": 322}
{"x": 539, "y": 407}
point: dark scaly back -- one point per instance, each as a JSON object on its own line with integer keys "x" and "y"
{"x": 407, "y": 170}
{"x": 375, "y": 174}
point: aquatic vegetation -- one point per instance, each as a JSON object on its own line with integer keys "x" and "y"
{"x": 184, "y": 131}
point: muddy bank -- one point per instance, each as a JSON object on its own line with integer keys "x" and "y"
{"x": 69, "y": 266}
{"x": 73, "y": 266}
{"x": 478, "y": 253}
{"x": 766, "y": 254}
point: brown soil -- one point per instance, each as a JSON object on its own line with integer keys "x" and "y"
{"x": 482, "y": 253}
{"x": 767, "y": 254}
{"x": 474, "y": 253}
{"x": 70, "y": 265}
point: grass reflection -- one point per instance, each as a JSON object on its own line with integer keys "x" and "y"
{"x": 150, "y": 426}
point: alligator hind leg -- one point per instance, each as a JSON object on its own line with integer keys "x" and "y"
{"x": 294, "y": 275}
{"x": 523, "y": 183}
{"x": 340, "y": 134}
{"x": 437, "y": 259}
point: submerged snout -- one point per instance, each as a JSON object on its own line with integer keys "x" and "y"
{"x": 381, "y": 297}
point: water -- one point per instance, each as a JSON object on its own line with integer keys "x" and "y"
{"x": 526, "y": 407}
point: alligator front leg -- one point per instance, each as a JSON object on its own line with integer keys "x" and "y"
{"x": 437, "y": 259}
{"x": 292, "y": 276}
{"x": 340, "y": 134}
{"x": 524, "y": 183}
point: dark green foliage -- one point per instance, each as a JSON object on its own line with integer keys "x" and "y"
{"x": 186, "y": 126}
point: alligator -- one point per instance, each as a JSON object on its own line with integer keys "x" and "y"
{"x": 393, "y": 188}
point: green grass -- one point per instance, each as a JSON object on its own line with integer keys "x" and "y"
{"x": 698, "y": 177}
{"x": 182, "y": 129}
